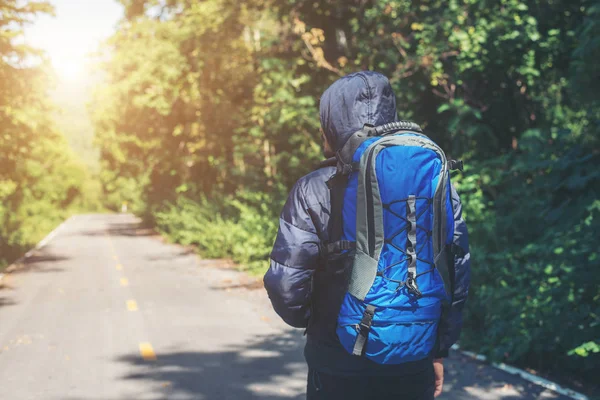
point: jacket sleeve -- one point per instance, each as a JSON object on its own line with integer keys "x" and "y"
{"x": 293, "y": 260}
{"x": 452, "y": 322}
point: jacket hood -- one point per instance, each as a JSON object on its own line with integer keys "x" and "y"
{"x": 353, "y": 101}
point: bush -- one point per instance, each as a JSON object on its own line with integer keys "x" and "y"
{"x": 241, "y": 228}
{"x": 534, "y": 218}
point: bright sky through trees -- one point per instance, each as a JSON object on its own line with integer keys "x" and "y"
{"x": 68, "y": 39}
{"x": 77, "y": 30}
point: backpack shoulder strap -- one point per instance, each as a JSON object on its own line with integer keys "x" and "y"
{"x": 345, "y": 155}
{"x": 337, "y": 184}
{"x": 337, "y": 188}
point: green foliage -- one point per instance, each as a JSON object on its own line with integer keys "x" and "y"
{"x": 209, "y": 100}
{"x": 197, "y": 223}
{"x": 41, "y": 180}
{"x": 585, "y": 74}
{"x": 241, "y": 228}
{"x": 585, "y": 349}
{"x": 256, "y": 227}
{"x": 534, "y": 254}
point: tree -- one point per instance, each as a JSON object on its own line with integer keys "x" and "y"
{"x": 39, "y": 176}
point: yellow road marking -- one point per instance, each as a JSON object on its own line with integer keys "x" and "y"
{"x": 132, "y": 305}
{"x": 147, "y": 352}
{"x": 124, "y": 282}
{"x": 119, "y": 267}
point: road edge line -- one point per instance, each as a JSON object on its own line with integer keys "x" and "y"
{"x": 545, "y": 383}
{"x": 38, "y": 246}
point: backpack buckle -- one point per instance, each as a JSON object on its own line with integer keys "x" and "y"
{"x": 363, "y": 328}
{"x": 411, "y": 286}
{"x": 370, "y": 130}
{"x": 454, "y": 165}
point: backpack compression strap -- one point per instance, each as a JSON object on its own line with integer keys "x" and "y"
{"x": 363, "y": 331}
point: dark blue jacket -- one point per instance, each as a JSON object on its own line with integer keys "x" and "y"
{"x": 352, "y": 101}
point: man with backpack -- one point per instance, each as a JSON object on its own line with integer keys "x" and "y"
{"x": 372, "y": 253}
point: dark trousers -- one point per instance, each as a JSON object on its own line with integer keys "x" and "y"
{"x": 418, "y": 386}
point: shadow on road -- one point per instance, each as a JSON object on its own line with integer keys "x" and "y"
{"x": 259, "y": 370}
{"x": 272, "y": 368}
{"x": 466, "y": 379}
{"x": 171, "y": 256}
{"x": 248, "y": 284}
{"x": 6, "y": 302}
{"x": 43, "y": 261}
{"x": 133, "y": 228}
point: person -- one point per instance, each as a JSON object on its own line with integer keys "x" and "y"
{"x": 350, "y": 103}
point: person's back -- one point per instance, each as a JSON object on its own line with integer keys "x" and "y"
{"x": 352, "y": 102}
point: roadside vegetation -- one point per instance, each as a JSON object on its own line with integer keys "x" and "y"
{"x": 42, "y": 181}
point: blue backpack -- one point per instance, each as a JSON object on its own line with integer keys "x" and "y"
{"x": 386, "y": 272}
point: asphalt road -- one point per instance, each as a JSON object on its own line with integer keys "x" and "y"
{"x": 108, "y": 311}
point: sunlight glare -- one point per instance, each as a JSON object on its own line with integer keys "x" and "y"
{"x": 70, "y": 69}
{"x": 73, "y": 34}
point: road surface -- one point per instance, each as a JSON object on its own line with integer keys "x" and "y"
{"x": 108, "y": 311}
